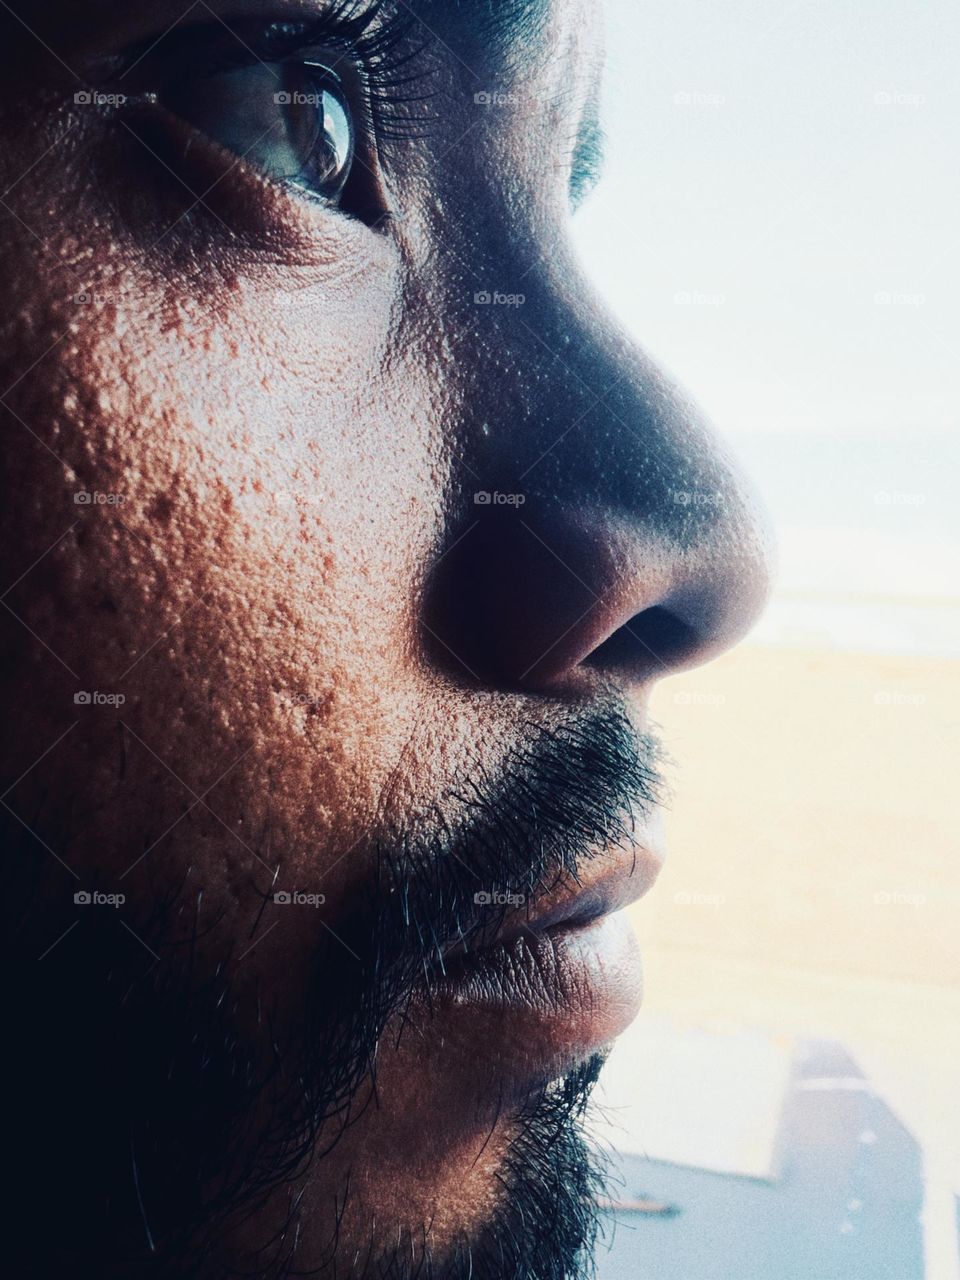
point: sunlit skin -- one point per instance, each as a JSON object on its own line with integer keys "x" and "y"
{"x": 316, "y": 630}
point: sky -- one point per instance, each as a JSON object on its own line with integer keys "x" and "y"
{"x": 778, "y": 223}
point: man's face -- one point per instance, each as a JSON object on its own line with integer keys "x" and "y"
{"x": 344, "y": 536}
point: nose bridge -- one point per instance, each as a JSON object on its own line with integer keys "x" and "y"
{"x": 599, "y": 424}
{"x": 561, "y": 401}
{"x": 596, "y": 495}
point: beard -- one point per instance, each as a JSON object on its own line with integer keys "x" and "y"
{"x": 155, "y": 1114}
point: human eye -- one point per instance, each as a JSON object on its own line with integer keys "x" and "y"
{"x": 303, "y": 104}
{"x": 293, "y": 121}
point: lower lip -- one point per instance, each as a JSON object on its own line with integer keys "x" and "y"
{"x": 555, "y": 997}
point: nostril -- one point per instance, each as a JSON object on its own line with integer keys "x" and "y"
{"x": 548, "y": 599}
{"x": 651, "y": 644}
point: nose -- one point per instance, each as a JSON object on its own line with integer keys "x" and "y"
{"x": 600, "y": 525}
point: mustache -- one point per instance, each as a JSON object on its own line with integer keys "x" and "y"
{"x": 183, "y": 1122}
{"x": 563, "y": 795}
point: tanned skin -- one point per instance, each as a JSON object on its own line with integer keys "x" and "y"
{"x": 250, "y": 434}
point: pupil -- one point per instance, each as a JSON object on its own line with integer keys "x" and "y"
{"x": 317, "y": 127}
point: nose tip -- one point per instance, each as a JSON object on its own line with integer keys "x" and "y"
{"x": 610, "y": 532}
{"x": 542, "y": 596}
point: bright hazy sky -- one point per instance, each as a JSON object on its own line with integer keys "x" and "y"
{"x": 779, "y": 224}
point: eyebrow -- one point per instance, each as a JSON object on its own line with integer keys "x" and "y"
{"x": 589, "y": 150}
{"x": 514, "y": 20}
{"x": 515, "y": 23}
{"x": 503, "y": 23}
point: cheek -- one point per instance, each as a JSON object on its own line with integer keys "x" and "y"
{"x": 244, "y": 577}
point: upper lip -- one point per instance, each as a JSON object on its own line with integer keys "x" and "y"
{"x": 611, "y": 879}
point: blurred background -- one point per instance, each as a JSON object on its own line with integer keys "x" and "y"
{"x": 778, "y": 224}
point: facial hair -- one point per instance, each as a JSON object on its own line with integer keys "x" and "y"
{"x": 146, "y": 1121}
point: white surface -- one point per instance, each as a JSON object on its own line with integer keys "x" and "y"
{"x": 704, "y": 1099}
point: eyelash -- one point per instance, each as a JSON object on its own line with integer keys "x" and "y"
{"x": 370, "y": 32}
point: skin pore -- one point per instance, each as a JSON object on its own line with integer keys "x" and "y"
{"x": 263, "y": 633}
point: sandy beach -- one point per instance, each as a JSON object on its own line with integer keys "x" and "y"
{"x": 813, "y": 882}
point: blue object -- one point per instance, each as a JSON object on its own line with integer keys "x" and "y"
{"x": 846, "y": 1204}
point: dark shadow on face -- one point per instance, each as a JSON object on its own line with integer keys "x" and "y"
{"x": 168, "y": 1124}
{"x": 344, "y": 535}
